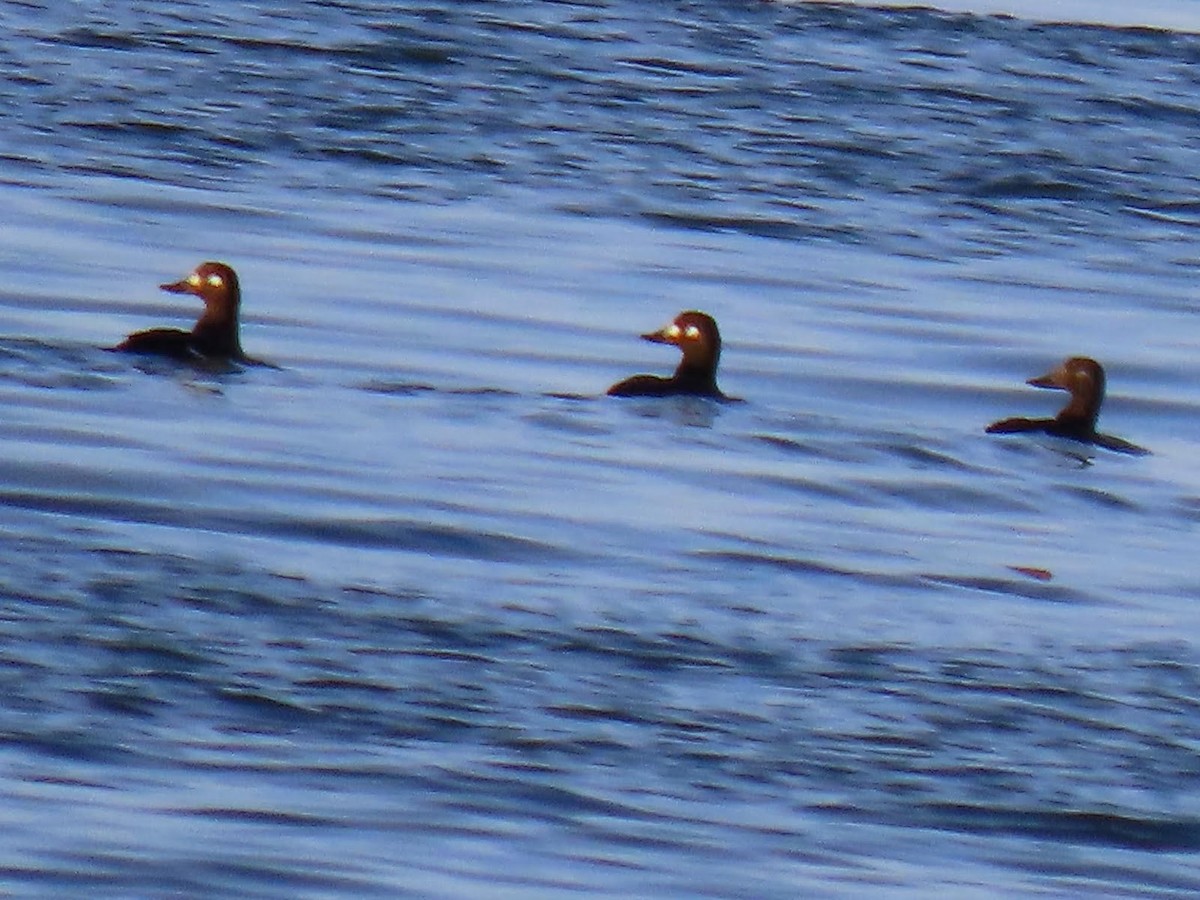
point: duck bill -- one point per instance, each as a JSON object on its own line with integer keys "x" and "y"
{"x": 178, "y": 287}
{"x": 658, "y": 337}
{"x": 1053, "y": 380}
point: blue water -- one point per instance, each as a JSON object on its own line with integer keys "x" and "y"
{"x": 422, "y": 613}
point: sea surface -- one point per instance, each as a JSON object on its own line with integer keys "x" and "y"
{"x": 420, "y": 612}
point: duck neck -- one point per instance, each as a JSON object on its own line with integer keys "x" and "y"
{"x": 216, "y": 333}
{"x": 1081, "y": 413}
{"x": 696, "y": 379}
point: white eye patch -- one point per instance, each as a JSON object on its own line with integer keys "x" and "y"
{"x": 194, "y": 280}
{"x": 691, "y": 332}
{"x": 672, "y": 331}
{"x": 215, "y": 280}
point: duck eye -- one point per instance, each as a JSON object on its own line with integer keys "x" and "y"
{"x": 691, "y": 332}
{"x": 673, "y": 331}
{"x": 215, "y": 280}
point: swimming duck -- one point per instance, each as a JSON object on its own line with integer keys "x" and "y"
{"x": 1084, "y": 379}
{"x": 215, "y": 334}
{"x": 696, "y": 335}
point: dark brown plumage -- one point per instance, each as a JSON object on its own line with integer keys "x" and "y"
{"x": 1084, "y": 379}
{"x": 696, "y": 335}
{"x": 215, "y": 334}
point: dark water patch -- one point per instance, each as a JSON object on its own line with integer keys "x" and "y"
{"x": 352, "y": 685}
{"x": 818, "y": 446}
{"x": 652, "y": 653}
{"x": 409, "y": 389}
{"x": 814, "y": 488}
{"x": 592, "y": 713}
{"x": 125, "y": 700}
{"x": 166, "y": 132}
{"x": 100, "y": 38}
{"x": 1109, "y": 829}
{"x": 570, "y": 423}
{"x": 1014, "y": 587}
{"x": 142, "y": 651}
{"x": 265, "y": 816}
{"x": 31, "y": 353}
{"x": 944, "y": 496}
{"x": 230, "y": 206}
{"x": 1103, "y": 499}
{"x": 690, "y": 412}
{"x": 922, "y": 457}
{"x": 677, "y": 67}
{"x": 73, "y": 745}
{"x": 1151, "y": 110}
{"x": 760, "y": 227}
{"x": 800, "y": 566}
{"x": 379, "y": 534}
{"x": 269, "y": 713}
{"x": 1026, "y": 187}
{"x": 871, "y": 662}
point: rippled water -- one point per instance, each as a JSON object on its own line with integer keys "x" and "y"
{"x": 422, "y": 613}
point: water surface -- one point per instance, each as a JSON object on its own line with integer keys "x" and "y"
{"x": 421, "y": 612}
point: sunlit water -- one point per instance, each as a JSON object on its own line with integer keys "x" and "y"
{"x": 421, "y": 612}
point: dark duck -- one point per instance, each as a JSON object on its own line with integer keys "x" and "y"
{"x": 696, "y": 335}
{"x": 215, "y": 334}
{"x": 1084, "y": 379}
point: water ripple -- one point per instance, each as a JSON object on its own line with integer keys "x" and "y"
{"x": 424, "y": 596}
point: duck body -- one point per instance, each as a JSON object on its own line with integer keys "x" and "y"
{"x": 698, "y": 338}
{"x": 1084, "y": 379}
{"x": 215, "y": 334}
{"x": 170, "y": 342}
